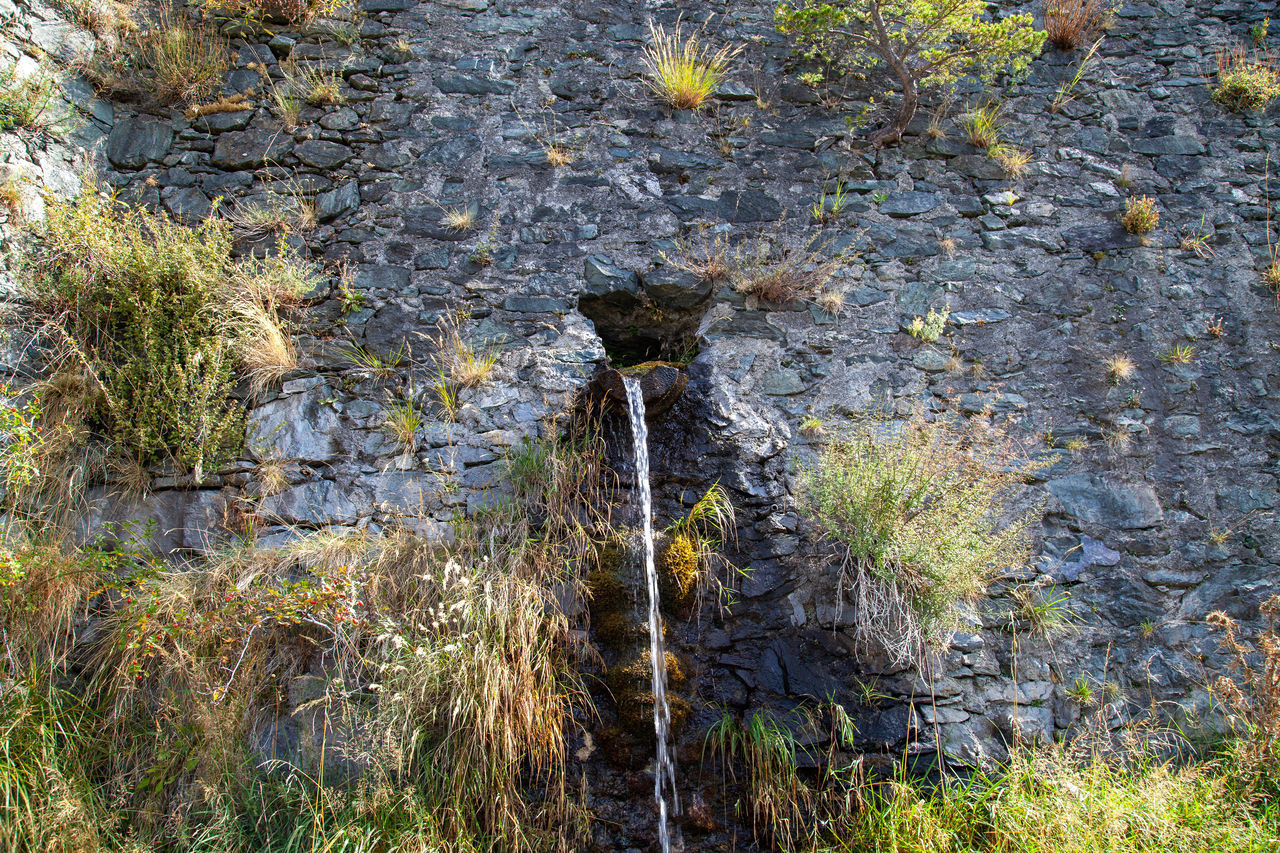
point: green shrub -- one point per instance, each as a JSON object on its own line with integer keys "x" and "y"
{"x": 24, "y": 101}
{"x": 1245, "y": 82}
{"x": 158, "y": 318}
{"x": 919, "y": 511}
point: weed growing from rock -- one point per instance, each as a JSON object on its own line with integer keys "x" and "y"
{"x": 1119, "y": 368}
{"x": 918, "y": 513}
{"x": 929, "y": 327}
{"x": 176, "y": 61}
{"x": 1072, "y": 23}
{"x": 1245, "y": 82}
{"x": 682, "y": 71}
{"x": 1140, "y": 215}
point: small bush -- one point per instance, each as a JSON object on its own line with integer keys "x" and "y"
{"x": 1140, "y": 215}
{"x": 930, "y": 327}
{"x": 1245, "y": 82}
{"x": 24, "y": 101}
{"x": 1072, "y": 23}
{"x": 158, "y": 317}
{"x": 918, "y": 511}
{"x": 680, "y": 70}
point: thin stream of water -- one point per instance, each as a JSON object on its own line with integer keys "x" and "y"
{"x": 664, "y": 776}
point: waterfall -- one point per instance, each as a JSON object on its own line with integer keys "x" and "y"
{"x": 664, "y": 775}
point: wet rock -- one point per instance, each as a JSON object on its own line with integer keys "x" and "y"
{"x": 661, "y": 385}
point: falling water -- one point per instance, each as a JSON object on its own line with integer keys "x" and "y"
{"x": 664, "y": 773}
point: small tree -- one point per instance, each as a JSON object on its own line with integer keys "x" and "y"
{"x": 925, "y": 43}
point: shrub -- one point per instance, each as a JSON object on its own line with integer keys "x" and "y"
{"x": 918, "y": 511}
{"x": 1245, "y": 82}
{"x": 1140, "y": 215}
{"x": 24, "y": 101}
{"x": 930, "y": 327}
{"x": 158, "y": 317}
{"x": 680, "y": 70}
{"x": 1072, "y": 23}
{"x": 925, "y": 44}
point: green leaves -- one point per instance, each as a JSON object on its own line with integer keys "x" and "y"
{"x": 924, "y": 43}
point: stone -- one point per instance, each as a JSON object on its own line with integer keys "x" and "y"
{"x": 467, "y": 84}
{"x": 248, "y": 149}
{"x": 1092, "y": 499}
{"x": 405, "y": 492}
{"x": 134, "y": 142}
{"x": 300, "y": 426}
{"x": 749, "y": 206}
{"x": 911, "y": 203}
{"x": 317, "y": 503}
{"x": 781, "y": 383}
{"x": 605, "y": 279}
{"x": 339, "y": 201}
{"x": 675, "y": 288}
{"x": 660, "y": 385}
{"x": 321, "y": 154}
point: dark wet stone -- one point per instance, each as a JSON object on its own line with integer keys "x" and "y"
{"x": 661, "y": 385}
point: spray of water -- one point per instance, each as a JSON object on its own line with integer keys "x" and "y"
{"x": 664, "y": 777}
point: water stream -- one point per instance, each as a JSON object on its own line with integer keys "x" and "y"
{"x": 664, "y": 776}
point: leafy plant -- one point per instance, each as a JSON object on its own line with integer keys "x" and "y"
{"x": 925, "y": 44}
{"x": 157, "y": 318}
{"x": 1245, "y": 82}
{"x": 1140, "y": 215}
{"x": 930, "y": 327}
{"x": 680, "y": 70}
{"x": 24, "y": 101}
{"x": 917, "y": 510}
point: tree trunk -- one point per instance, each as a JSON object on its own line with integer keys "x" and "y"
{"x": 891, "y": 133}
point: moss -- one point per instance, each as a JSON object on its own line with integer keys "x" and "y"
{"x": 679, "y": 569}
{"x": 646, "y": 367}
{"x": 616, "y": 629}
{"x": 627, "y": 676}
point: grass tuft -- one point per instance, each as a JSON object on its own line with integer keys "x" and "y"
{"x": 1245, "y": 82}
{"x": 1140, "y": 215}
{"x": 682, "y": 71}
{"x": 1073, "y": 23}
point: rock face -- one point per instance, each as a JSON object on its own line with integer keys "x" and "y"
{"x": 1159, "y": 492}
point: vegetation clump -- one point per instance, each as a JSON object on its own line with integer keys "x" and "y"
{"x": 24, "y": 101}
{"x": 1245, "y": 82}
{"x": 682, "y": 71}
{"x": 1070, "y": 24}
{"x": 920, "y": 512}
{"x": 925, "y": 44}
{"x": 155, "y": 319}
{"x": 1140, "y": 215}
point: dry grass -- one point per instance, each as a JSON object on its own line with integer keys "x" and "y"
{"x": 708, "y": 256}
{"x": 682, "y": 71}
{"x": 1119, "y": 368}
{"x": 177, "y": 61}
{"x": 1251, "y": 695}
{"x": 1012, "y": 159}
{"x": 1072, "y": 23}
{"x": 226, "y": 104}
{"x": 775, "y": 271}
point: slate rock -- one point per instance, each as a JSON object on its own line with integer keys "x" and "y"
{"x": 134, "y": 142}
{"x": 248, "y": 149}
{"x": 1092, "y": 499}
{"x": 321, "y": 154}
{"x": 909, "y": 203}
{"x": 341, "y": 200}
